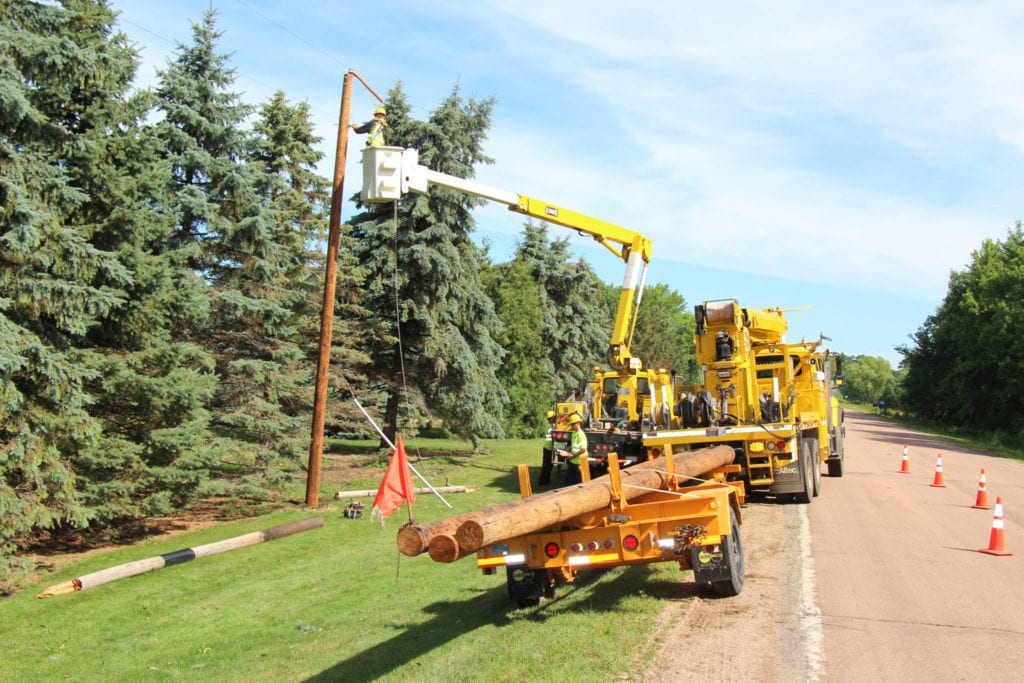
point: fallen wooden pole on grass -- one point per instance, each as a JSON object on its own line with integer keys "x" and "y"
{"x": 366, "y": 493}
{"x": 123, "y": 571}
{"x": 450, "y": 539}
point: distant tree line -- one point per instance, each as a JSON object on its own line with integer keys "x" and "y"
{"x": 962, "y": 368}
{"x": 161, "y": 260}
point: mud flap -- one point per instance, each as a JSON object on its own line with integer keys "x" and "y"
{"x": 710, "y": 563}
{"x": 525, "y": 585}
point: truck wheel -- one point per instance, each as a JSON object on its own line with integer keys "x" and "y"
{"x": 816, "y": 459}
{"x": 733, "y": 548}
{"x": 835, "y": 466}
{"x": 528, "y": 602}
{"x": 806, "y": 475}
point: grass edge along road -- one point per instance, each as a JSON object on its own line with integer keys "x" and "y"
{"x": 338, "y": 602}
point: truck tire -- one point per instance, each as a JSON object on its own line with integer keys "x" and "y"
{"x": 733, "y": 548}
{"x": 816, "y": 459}
{"x": 835, "y": 464}
{"x": 806, "y": 475}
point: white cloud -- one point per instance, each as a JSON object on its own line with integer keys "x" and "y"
{"x": 729, "y": 113}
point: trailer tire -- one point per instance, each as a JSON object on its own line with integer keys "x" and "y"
{"x": 806, "y": 475}
{"x": 737, "y": 566}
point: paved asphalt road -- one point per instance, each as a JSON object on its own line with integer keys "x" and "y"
{"x": 902, "y": 592}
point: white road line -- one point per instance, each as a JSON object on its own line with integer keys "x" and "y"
{"x": 811, "y": 629}
{"x": 800, "y": 636}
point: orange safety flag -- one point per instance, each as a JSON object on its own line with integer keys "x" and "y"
{"x": 396, "y": 487}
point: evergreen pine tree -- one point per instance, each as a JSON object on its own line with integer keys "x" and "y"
{"x": 424, "y": 276}
{"x": 84, "y": 292}
{"x": 525, "y": 371}
{"x": 240, "y": 225}
{"x": 577, "y": 326}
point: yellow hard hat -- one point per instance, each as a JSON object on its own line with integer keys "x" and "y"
{"x": 550, "y": 414}
{"x": 575, "y": 419}
{"x": 380, "y": 110}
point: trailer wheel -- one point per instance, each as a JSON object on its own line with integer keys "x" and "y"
{"x": 737, "y": 566}
{"x": 806, "y": 474}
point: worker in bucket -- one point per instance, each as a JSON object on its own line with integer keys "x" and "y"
{"x": 547, "y": 459}
{"x": 577, "y": 450}
{"x": 375, "y": 127}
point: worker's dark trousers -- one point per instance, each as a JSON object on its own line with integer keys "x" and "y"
{"x": 545, "y": 468}
{"x": 573, "y": 475}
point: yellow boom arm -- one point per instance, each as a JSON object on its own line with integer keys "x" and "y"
{"x": 390, "y": 172}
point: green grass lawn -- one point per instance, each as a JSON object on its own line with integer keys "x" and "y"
{"x": 339, "y": 603}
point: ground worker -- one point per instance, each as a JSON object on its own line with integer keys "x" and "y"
{"x": 374, "y": 127}
{"x": 577, "y": 450}
{"x": 547, "y": 458}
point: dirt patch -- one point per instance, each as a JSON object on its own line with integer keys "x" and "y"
{"x": 741, "y": 629}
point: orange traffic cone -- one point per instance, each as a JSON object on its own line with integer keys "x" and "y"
{"x": 939, "y": 481}
{"x": 981, "y": 502}
{"x": 996, "y": 542}
{"x": 905, "y": 465}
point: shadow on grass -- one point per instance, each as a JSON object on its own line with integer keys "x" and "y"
{"x": 493, "y": 608}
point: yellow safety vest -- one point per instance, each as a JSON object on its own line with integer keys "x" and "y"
{"x": 577, "y": 446}
{"x": 376, "y": 138}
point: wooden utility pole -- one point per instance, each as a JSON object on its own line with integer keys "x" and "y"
{"x": 316, "y": 443}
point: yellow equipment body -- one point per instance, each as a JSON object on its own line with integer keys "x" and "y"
{"x": 772, "y": 401}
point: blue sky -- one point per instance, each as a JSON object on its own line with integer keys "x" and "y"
{"x": 845, "y": 156}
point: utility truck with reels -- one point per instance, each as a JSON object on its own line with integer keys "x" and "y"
{"x": 677, "y": 507}
{"x": 771, "y": 401}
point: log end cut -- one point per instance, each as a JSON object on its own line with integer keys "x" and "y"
{"x": 444, "y": 548}
{"x": 413, "y": 539}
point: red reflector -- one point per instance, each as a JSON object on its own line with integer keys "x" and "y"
{"x": 631, "y": 542}
{"x": 576, "y": 547}
{"x": 609, "y": 544}
{"x": 552, "y": 549}
{"x": 592, "y": 545}
{"x": 656, "y": 452}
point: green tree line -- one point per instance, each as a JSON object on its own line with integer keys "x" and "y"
{"x": 961, "y": 368}
{"x": 161, "y": 277}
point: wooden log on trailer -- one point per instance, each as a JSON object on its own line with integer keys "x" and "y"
{"x": 529, "y": 515}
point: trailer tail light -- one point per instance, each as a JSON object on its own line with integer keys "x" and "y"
{"x": 631, "y": 543}
{"x": 593, "y": 545}
{"x": 552, "y": 550}
{"x": 576, "y": 547}
{"x": 608, "y": 545}
{"x": 655, "y": 452}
